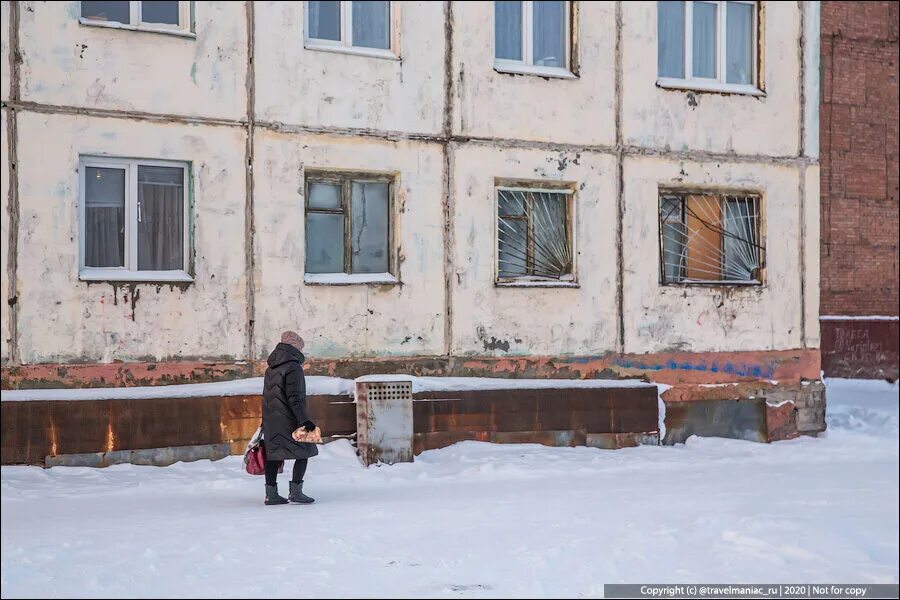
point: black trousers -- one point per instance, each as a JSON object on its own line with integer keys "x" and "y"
{"x": 272, "y": 470}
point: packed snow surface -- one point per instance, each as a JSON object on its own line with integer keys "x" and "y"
{"x": 474, "y": 519}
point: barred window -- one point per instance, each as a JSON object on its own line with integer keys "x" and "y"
{"x": 710, "y": 238}
{"x": 534, "y": 234}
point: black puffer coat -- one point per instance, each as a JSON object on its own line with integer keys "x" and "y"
{"x": 284, "y": 405}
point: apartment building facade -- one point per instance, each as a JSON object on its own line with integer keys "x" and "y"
{"x": 508, "y": 189}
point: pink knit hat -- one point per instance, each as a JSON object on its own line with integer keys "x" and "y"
{"x": 292, "y": 338}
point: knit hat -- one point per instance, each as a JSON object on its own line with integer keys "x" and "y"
{"x": 292, "y": 338}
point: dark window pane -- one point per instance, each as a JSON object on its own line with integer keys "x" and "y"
{"x": 324, "y": 243}
{"x": 106, "y": 11}
{"x": 371, "y": 24}
{"x": 324, "y": 20}
{"x": 159, "y": 12}
{"x": 548, "y": 222}
{"x": 549, "y": 34}
{"x": 512, "y": 255}
{"x": 104, "y": 215}
{"x": 670, "y": 33}
{"x": 508, "y": 30}
{"x": 324, "y": 195}
{"x": 160, "y": 218}
{"x": 369, "y": 227}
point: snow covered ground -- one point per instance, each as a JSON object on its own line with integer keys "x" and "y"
{"x": 474, "y": 520}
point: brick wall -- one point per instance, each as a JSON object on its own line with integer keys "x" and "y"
{"x": 859, "y": 132}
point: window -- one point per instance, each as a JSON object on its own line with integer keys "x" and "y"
{"x": 710, "y": 238}
{"x": 534, "y": 240}
{"x": 708, "y": 45}
{"x": 356, "y": 27}
{"x": 348, "y": 227}
{"x": 155, "y": 15}
{"x": 133, "y": 217}
{"x": 532, "y": 37}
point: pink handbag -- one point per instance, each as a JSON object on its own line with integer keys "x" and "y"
{"x": 255, "y": 455}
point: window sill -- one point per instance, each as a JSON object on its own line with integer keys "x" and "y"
{"x": 101, "y": 274}
{"x": 707, "y": 283}
{"x": 350, "y": 279}
{"x": 699, "y": 85}
{"x": 536, "y": 283}
{"x": 516, "y": 68}
{"x": 145, "y": 28}
{"x": 386, "y": 54}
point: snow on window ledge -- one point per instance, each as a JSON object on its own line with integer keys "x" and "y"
{"x": 350, "y": 279}
{"x": 117, "y": 274}
{"x": 707, "y": 85}
{"x": 328, "y": 46}
{"x": 145, "y": 28}
{"x": 567, "y": 281}
{"x": 520, "y": 68}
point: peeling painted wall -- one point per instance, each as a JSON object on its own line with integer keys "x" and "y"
{"x": 65, "y": 320}
{"x": 350, "y": 320}
{"x": 4, "y": 230}
{"x": 164, "y": 97}
{"x": 70, "y": 64}
{"x": 318, "y": 88}
{"x": 711, "y": 318}
{"x": 493, "y": 320}
{"x": 528, "y": 107}
{"x": 657, "y": 118}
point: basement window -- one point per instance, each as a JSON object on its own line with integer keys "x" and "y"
{"x": 708, "y": 46}
{"x": 133, "y": 220}
{"x": 534, "y": 236}
{"x": 710, "y": 238}
{"x": 162, "y": 16}
{"x": 348, "y": 228}
{"x": 533, "y": 38}
{"x": 351, "y": 26}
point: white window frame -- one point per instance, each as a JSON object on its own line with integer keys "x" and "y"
{"x": 129, "y": 272}
{"x": 568, "y": 280}
{"x": 719, "y": 83}
{"x": 345, "y": 44}
{"x": 526, "y": 66}
{"x": 183, "y": 28}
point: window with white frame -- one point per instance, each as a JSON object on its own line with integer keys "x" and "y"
{"x": 348, "y": 224}
{"x": 710, "y": 238}
{"x": 133, "y": 219}
{"x": 146, "y": 14}
{"x": 534, "y": 234}
{"x": 708, "y": 45}
{"x": 349, "y": 26}
{"x": 532, "y": 37}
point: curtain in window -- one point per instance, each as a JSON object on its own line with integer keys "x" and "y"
{"x": 324, "y": 20}
{"x": 104, "y": 217}
{"x": 738, "y": 51}
{"x": 371, "y": 24}
{"x": 549, "y": 34}
{"x": 670, "y": 43}
{"x": 508, "y": 30}
{"x": 106, "y": 11}
{"x": 160, "y": 225}
{"x": 160, "y": 12}
{"x": 704, "y": 45}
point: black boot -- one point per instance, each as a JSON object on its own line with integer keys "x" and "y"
{"x": 272, "y": 496}
{"x": 297, "y": 495}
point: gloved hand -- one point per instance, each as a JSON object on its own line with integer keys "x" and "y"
{"x": 308, "y": 425}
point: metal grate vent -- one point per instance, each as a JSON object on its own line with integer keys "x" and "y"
{"x": 394, "y": 390}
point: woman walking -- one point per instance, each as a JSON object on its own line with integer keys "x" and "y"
{"x": 284, "y": 410}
